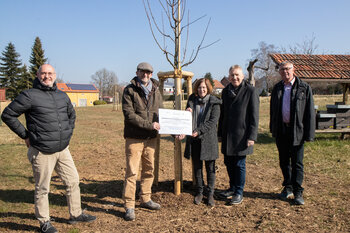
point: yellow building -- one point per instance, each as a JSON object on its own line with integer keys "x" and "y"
{"x": 81, "y": 95}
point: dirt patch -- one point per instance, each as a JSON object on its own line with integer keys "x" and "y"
{"x": 98, "y": 150}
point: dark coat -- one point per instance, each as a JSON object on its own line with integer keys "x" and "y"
{"x": 49, "y": 114}
{"x": 239, "y": 120}
{"x": 140, "y": 112}
{"x": 302, "y": 112}
{"x": 207, "y": 131}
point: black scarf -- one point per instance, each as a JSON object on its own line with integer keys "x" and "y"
{"x": 233, "y": 91}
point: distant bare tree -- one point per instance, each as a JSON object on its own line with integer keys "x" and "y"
{"x": 171, "y": 9}
{"x": 308, "y": 46}
{"x": 105, "y": 80}
{"x": 59, "y": 80}
{"x": 264, "y": 64}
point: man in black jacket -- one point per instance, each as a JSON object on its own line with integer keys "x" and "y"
{"x": 50, "y": 119}
{"x": 292, "y": 121}
{"x": 238, "y": 129}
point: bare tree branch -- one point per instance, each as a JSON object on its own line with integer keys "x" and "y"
{"x": 188, "y": 24}
{"x": 175, "y": 18}
{"x": 200, "y": 47}
{"x": 162, "y": 32}
{"x": 187, "y": 35}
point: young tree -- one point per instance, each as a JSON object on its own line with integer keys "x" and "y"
{"x": 37, "y": 57}
{"x": 174, "y": 11}
{"x": 104, "y": 81}
{"x": 10, "y": 70}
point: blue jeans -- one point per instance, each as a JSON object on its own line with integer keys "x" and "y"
{"x": 235, "y": 166}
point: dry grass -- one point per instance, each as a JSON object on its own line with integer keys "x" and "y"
{"x": 98, "y": 150}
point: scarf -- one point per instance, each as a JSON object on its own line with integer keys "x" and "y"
{"x": 198, "y": 111}
{"x": 146, "y": 89}
{"x": 233, "y": 91}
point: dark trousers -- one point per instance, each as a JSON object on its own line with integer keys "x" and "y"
{"x": 291, "y": 162}
{"x": 198, "y": 169}
{"x": 235, "y": 166}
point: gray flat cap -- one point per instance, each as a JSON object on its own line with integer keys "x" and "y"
{"x": 145, "y": 66}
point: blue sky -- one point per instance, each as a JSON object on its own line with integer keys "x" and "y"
{"x": 82, "y": 36}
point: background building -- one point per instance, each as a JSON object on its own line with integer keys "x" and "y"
{"x": 81, "y": 95}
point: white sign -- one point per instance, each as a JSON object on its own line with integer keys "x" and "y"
{"x": 175, "y": 122}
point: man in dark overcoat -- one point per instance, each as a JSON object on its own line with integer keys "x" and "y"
{"x": 238, "y": 129}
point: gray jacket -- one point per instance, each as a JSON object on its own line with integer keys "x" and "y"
{"x": 207, "y": 131}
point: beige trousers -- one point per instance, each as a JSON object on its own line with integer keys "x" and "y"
{"x": 43, "y": 166}
{"x": 137, "y": 150}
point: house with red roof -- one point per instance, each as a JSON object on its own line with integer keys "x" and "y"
{"x": 218, "y": 87}
{"x": 320, "y": 68}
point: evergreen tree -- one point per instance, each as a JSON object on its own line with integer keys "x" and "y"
{"x": 10, "y": 69}
{"x": 25, "y": 80}
{"x": 208, "y": 76}
{"x": 36, "y": 58}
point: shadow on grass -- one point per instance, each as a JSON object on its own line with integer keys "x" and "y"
{"x": 27, "y": 196}
{"x": 24, "y": 227}
{"x": 261, "y": 195}
{"x": 18, "y": 227}
{"x": 168, "y": 186}
{"x": 253, "y": 195}
{"x": 265, "y": 138}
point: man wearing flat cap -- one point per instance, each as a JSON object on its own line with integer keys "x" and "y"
{"x": 141, "y": 101}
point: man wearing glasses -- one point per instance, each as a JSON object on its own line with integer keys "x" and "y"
{"x": 50, "y": 119}
{"x": 292, "y": 122}
{"x": 141, "y": 101}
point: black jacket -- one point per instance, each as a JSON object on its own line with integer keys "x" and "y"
{"x": 207, "y": 131}
{"x": 140, "y": 112}
{"x": 239, "y": 120}
{"x": 302, "y": 112}
{"x": 49, "y": 115}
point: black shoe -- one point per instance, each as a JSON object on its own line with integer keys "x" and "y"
{"x": 198, "y": 199}
{"x": 211, "y": 201}
{"x": 236, "y": 199}
{"x": 286, "y": 194}
{"x": 227, "y": 193}
{"x": 129, "y": 214}
{"x": 299, "y": 200}
{"x": 82, "y": 218}
{"x": 150, "y": 205}
{"x": 46, "y": 227}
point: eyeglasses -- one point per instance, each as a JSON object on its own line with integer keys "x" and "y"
{"x": 46, "y": 73}
{"x": 286, "y": 68}
{"x": 146, "y": 71}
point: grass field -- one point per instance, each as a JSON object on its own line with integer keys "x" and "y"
{"x": 98, "y": 150}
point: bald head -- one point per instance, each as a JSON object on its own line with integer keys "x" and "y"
{"x": 46, "y": 75}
